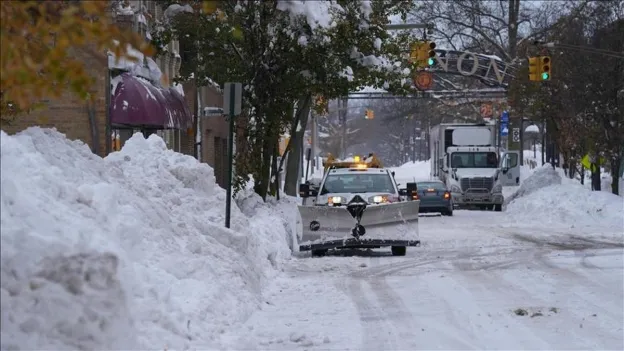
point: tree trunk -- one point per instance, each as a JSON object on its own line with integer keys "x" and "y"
{"x": 571, "y": 167}
{"x": 616, "y": 163}
{"x": 291, "y": 183}
{"x": 262, "y": 180}
{"x": 275, "y": 180}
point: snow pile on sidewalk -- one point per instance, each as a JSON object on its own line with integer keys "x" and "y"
{"x": 127, "y": 252}
{"x": 546, "y": 199}
{"x": 541, "y": 177}
{"x": 412, "y": 171}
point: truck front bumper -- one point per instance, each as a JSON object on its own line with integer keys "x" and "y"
{"x": 477, "y": 199}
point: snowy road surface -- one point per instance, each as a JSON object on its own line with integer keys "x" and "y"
{"x": 470, "y": 286}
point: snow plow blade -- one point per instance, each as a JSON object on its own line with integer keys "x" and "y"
{"x": 327, "y": 227}
{"x": 355, "y": 243}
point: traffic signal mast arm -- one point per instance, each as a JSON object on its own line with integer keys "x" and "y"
{"x": 552, "y": 45}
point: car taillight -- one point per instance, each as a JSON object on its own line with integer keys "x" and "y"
{"x": 447, "y": 195}
{"x": 415, "y": 196}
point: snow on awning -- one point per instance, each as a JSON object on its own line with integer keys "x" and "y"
{"x": 136, "y": 102}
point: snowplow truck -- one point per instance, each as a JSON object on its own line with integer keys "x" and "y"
{"x": 358, "y": 205}
{"x": 465, "y": 158}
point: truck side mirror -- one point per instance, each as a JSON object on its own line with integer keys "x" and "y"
{"x": 412, "y": 190}
{"x": 304, "y": 190}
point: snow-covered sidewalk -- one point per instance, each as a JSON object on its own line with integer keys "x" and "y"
{"x": 127, "y": 252}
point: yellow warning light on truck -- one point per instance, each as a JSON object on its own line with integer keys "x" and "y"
{"x": 356, "y": 162}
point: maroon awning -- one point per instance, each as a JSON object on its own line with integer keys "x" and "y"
{"x": 136, "y": 102}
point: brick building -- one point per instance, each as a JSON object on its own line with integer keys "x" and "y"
{"x": 105, "y": 124}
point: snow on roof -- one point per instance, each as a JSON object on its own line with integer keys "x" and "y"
{"x": 178, "y": 87}
{"x": 136, "y": 230}
{"x": 144, "y": 67}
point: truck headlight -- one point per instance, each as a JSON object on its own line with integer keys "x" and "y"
{"x": 334, "y": 200}
{"x": 378, "y": 199}
{"x": 455, "y": 189}
{"x": 497, "y": 188}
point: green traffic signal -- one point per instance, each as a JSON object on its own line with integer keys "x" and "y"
{"x": 430, "y": 62}
{"x": 545, "y": 76}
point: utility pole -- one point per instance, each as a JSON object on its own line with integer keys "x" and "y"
{"x": 314, "y": 132}
{"x": 413, "y": 139}
{"x": 342, "y": 116}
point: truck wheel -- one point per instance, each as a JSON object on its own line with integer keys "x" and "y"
{"x": 498, "y": 208}
{"x": 399, "y": 250}
{"x": 319, "y": 253}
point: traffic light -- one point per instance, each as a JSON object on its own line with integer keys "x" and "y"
{"x": 369, "y": 114}
{"x": 431, "y": 53}
{"x": 534, "y": 69}
{"x": 415, "y": 51}
{"x": 545, "y": 68}
{"x": 418, "y": 54}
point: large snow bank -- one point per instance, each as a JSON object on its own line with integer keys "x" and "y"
{"x": 541, "y": 177}
{"x": 412, "y": 171}
{"x": 544, "y": 198}
{"x": 127, "y": 252}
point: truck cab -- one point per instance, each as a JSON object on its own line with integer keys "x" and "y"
{"x": 345, "y": 179}
{"x": 472, "y": 175}
{"x": 466, "y": 159}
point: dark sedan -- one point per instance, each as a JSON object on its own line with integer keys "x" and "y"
{"x": 435, "y": 197}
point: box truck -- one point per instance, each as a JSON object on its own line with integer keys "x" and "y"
{"x": 466, "y": 158}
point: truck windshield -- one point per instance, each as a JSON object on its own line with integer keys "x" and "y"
{"x": 474, "y": 160}
{"x": 357, "y": 182}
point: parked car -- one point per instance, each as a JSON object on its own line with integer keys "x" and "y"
{"x": 435, "y": 197}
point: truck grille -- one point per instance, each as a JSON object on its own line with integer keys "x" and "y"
{"x": 477, "y": 183}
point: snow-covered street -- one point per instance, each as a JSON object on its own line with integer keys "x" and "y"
{"x": 474, "y": 284}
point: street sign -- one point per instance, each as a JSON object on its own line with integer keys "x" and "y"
{"x": 504, "y": 129}
{"x": 232, "y": 103}
{"x": 516, "y": 135}
{"x": 505, "y": 116}
{"x": 232, "y": 98}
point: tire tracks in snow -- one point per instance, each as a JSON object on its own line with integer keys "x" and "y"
{"x": 395, "y": 308}
{"x": 482, "y": 288}
{"x": 378, "y": 333}
{"x": 423, "y": 260}
{"x": 404, "y": 321}
{"x": 434, "y": 257}
{"x": 586, "y": 287}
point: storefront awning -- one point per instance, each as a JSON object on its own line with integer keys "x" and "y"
{"x": 136, "y": 102}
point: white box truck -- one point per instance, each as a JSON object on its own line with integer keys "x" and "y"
{"x": 465, "y": 157}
